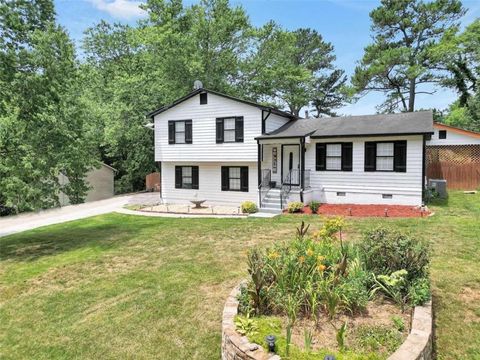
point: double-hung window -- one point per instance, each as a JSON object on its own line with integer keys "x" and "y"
{"x": 180, "y": 132}
{"x": 333, "y": 157}
{"x": 386, "y": 156}
{"x": 235, "y": 178}
{"x": 186, "y": 177}
{"x": 384, "y": 159}
{"x": 229, "y": 129}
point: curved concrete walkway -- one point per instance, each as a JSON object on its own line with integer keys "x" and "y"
{"x": 27, "y": 221}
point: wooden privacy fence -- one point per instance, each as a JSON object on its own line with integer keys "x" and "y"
{"x": 152, "y": 182}
{"x": 458, "y": 164}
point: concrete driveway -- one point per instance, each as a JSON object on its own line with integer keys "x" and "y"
{"x": 17, "y": 223}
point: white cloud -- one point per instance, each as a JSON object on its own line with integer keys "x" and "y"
{"x": 120, "y": 9}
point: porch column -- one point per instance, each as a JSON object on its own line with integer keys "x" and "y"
{"x": 302, "y": 164}
{"x": 259, "y": 162}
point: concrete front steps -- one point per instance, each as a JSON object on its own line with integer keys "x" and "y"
{"x": 271, "y": 202}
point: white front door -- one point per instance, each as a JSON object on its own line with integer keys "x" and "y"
{"x": 291, "y": 164}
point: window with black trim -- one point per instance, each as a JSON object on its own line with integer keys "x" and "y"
{"x": 186, "y": 177}
{"x": 442, "y": 134}
{"x": 386, "y": 156}
{"x": 235, "y": 178}
{"x": 334, "y": 156}
{"x": 229, "y": 129}
{"x": 180, "y": 132}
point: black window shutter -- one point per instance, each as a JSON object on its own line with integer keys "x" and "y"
{"x": 400, "y": 153}
{"x": 219, "y": 131}
{"x": 225, "y": 178}
{"x": 178, "y": 177}
{"x": 239, "y": 129}
{"x": 188, "y": 131}
{"x": 347, "y": 154}
{"x": 370, "y": 156}
{"x": 321, "y": 157}
{"x": 244, "y": 178}
{"x": 171, "y": 132}
{"x": 194, "y": 177}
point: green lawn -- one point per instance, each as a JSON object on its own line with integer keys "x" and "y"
{"x": 119, "y": 286}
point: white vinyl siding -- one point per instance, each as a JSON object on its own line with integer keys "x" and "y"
{"x": 453, "y": 138}
{"x": 209, "y": 184}
{"x": 274, "y": 122}
{"x": 204, "y": 147}
{"x": 363, "y": 187}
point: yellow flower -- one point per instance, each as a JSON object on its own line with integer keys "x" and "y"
{"x": 301, "y": 259}
{"x": 309, "y": 252}
{"x": 321, "y": 267}
{"x": 320, "y": 258}
{"x": 273, "y": 255}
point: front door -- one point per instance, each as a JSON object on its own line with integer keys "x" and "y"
{"x": 291, "y": 164}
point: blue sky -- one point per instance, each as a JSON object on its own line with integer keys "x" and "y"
{"x": 344, "y": 23}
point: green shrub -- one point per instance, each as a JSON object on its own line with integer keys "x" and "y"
{"x": 314, "y": 205}
{"x": 295, "y": 206}
{"x": 419, "y": 292}
{"x": 386, "y": 251}
{"x": 248, "y": 207}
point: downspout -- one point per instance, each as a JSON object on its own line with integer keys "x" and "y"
{"x": 259, "y": 172}
{"x": 302, "y": 167}
{"x": 424, "y": 166}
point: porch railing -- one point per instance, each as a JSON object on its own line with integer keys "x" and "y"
{"x": 264, "y": 185}
{"x": 293, "y": 180}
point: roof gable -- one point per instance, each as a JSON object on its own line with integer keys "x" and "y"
{"x": 203, "y": 90}
{"x": 457, "y": 130}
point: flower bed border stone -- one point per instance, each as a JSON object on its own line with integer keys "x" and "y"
{"x": 417, "y": 346}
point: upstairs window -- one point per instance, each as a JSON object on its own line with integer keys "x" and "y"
{"x": 180, "y": 132}
{"x": 235, "y": 178}
{"x": 386, "y": 156}
{"x": 229, "y": 129}
{"x": 186, "y": 177}
{"x": 442, "y": 134}
{"x": 334, "y": 157}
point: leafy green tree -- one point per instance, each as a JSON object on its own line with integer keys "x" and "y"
{"x": 400, "y": 60}
{"x": 41, "y": 130}
{"x": 293, "y": 70}
{"x": 459, "y": 55}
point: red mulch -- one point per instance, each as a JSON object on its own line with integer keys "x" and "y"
{"x": 368, "y": 210}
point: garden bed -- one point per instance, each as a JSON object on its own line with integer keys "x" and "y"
{"x": 319, "y": 295}
{"x": 356, "y": 210}
{"x": 185, "y": 209}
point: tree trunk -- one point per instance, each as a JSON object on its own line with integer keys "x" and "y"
{"x": 411, "y": 97}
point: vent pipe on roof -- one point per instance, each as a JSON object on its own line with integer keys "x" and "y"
{"x": 197, "y": 85}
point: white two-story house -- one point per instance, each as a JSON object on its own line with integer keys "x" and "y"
{"x": 227, "y": 150}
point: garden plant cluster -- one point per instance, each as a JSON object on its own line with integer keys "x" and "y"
{"x": 320, "y": 278}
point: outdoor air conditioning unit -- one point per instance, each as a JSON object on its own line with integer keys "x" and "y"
{"x": 439, "y": 185}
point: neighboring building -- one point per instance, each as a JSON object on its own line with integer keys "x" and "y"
{"x": 226, "y": 150}
{"x": 101, "y": 181}
{"x": 453, "y": 154}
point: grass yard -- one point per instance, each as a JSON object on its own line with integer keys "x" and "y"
{"x": 120, "y": 286}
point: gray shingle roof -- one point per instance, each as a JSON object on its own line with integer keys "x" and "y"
{"x": 420, "y": 122}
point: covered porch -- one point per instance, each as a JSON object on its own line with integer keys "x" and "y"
{"x": 282, "y": 176}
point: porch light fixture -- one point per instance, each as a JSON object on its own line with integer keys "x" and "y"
{"x": 270, "y": 339}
